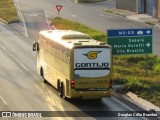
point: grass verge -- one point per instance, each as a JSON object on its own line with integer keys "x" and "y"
{"x": 8, "y": 11}
{"x": 150, "y": 23}
{"x": 129, "y": 70}
{"x": 64, "y": 24}
{"x": 116, "y": 13}
{"x": 108, "y": 11}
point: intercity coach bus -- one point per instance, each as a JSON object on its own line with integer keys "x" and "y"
{"x": 75, "y": 64}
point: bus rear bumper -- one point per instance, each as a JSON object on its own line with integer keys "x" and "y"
{"x": 91, "y": 94}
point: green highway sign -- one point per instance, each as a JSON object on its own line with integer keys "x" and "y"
{"x": 130, "y": 41}
{"x": 131, "y": 45}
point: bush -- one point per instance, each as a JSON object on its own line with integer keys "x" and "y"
{"x": 157, "y": 68}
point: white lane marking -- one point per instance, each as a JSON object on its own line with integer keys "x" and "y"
{"x": 19, "y": 62}
{"x": 47, "y": 20}
{"x": 51, "y": 13}
{"x": 20, "y": 14}
{"x": 48, "y": 23}
{"x": 74, "y": 15}
{"x": 122, "y": 103}
{"x": 33, "y": 14}
{"x": 102, "y": 15}
{"x": 24, "y": 66}
{"x": 3, "y": 48}
{"x": 3, "y": 100}
{"x": 15, "y": 59}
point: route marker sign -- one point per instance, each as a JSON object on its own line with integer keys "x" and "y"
{"x": 130, "y": 41}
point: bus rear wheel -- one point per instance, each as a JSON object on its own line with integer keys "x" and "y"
{"x": 61, "y": 90}
{"x": 58, "y": 86}
{"x": 42, "y": 75}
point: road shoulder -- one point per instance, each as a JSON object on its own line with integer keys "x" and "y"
{"x": 147, "y": 19}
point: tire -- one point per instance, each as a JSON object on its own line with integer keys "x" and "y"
{"x": 97, "y": 100}
{"x": 61, "y": 92}
{"x": 58, "y": 86}
{"x": 42, "y": 75}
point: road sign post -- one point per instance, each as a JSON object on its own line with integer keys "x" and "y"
{"x": 59, "y": 7}
{"x": 146, "y": 64}
{"x": 131, "y": 41}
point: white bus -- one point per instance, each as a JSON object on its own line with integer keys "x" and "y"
{"x": 75, "y": 64}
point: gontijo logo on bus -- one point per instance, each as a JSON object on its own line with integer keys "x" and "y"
{"x": 92, "y": 54}
{"x": 92, "y": 65}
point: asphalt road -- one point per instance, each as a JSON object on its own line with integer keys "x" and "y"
{"x": 21, "y": 89}
{"x": 37, "y": 14}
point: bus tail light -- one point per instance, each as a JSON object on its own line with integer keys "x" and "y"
{"x": 72, "y": 84}
{"x": 110, "y": 83}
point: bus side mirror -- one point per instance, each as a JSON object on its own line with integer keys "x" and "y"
{"x": 35, "y": 46}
